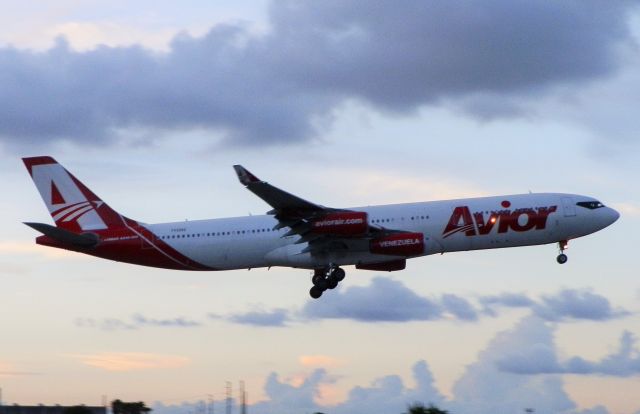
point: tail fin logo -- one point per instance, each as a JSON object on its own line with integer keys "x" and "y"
{"x": 72, "y": 212}
{"x": 71, "y": 207}
{"x": 56, "y": 197}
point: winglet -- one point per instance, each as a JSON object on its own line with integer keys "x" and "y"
{"x": 245, "y": 176}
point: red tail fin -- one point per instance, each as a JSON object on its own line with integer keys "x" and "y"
{"x": 71, "y": 204}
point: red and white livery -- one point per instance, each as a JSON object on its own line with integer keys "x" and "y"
{"x": 301, "y": 234}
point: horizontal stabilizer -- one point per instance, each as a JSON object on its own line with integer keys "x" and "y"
{"x": 65, "y": 236}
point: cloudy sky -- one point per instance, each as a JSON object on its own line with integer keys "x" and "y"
{"x": 344, "y": 103}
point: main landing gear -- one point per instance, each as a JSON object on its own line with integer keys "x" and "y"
{"x": 326, "y": 278}
{"x": 562, "y": 258}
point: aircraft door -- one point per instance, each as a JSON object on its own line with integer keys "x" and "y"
{"x": 568, "y": 207}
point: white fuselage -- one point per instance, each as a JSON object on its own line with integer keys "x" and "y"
{"x": 448, "y": 226}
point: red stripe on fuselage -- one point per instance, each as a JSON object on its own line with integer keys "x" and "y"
{"x": 132, "y": 245}
{"x": 160, "y": 244}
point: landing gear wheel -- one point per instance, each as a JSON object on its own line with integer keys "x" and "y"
{"x": 562, "y": 245}
{"x": 315, "y": 292}
{"x": 322, "y": 284}
{"x": 332, "y": 283}
{"x": 316, "y": 279}
{"x": 325, "y": 278}
{"x": 339, "y": 274}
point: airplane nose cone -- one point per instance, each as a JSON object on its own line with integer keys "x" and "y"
{"x": 613, "y": 215}
{"x": 609, "y": 217}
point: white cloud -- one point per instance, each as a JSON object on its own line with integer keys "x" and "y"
{"x": 31, "y": 248}
{"x": 497, "y": 382}
{"x": 325, "y": 361}
{"x": 83, "y": 36}
{"x": 9, "y": 370}
{"x": 374, "y": 184}
{"x": 387, "y": 394}
{"x": 628, "y": 209}
{"x": 485, "y": 389}
{"x": 131, "y": 361}
{"x": 541, "y": 359}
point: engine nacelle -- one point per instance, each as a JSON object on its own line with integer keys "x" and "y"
{"x": 400, "y": 244}
{"x": 348, "y": 223}
{"x": 391, "y": 266}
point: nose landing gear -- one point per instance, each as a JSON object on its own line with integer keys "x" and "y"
{"x": 562, "y": 258}
{"x": 325, "y": 278}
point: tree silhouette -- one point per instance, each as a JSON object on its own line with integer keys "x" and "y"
{"x": 420, "y": 408}
{"x": 77, "y": 409}
{"x": 121, "y": 407}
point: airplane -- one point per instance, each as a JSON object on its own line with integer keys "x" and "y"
{"x": 301, "y": 234}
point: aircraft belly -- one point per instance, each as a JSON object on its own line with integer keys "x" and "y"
{"x": 233, "y": 254}
{"x": 292, "y": 255}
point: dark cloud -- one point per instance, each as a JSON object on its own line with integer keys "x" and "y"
{"x": 282, "y": 86}
{"x": 403, "y": 56}
{"x": 181, "y": 322}
{"x": 106, "y": 324}
{"x": 566, "y": 305}
{"x": 388, "y": 300}
{"x": 576, "y": 304}
{"x": 137, "y": 321}
{"x": 512, "y": 300}
{"x": 384, "y": 300}
{"x": 459, "y": 307}
{"x": 275, "y": 317}
{"x": 598, "y": 409}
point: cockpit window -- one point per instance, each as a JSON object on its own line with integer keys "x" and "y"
{"x": 591, "y": 205}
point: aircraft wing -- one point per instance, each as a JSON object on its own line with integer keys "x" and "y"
{"x": 299, "y": 215}
{"x": 284, "y": 204}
